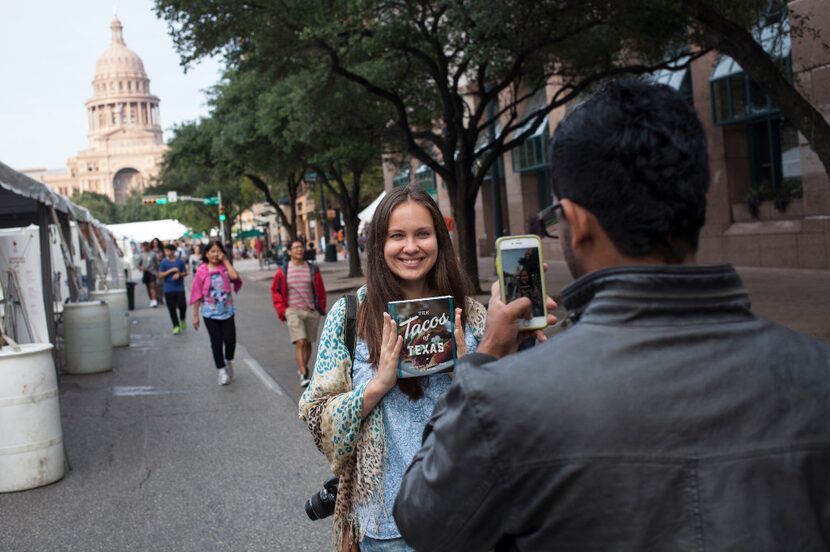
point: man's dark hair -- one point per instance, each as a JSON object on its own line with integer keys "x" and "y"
{"x": 170, "y": 247}
{"x": 634, "y": 155}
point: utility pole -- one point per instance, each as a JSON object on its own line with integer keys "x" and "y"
{"x": 221, "y": 217}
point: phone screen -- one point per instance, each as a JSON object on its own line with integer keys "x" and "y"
{"x": 523, "y": 276}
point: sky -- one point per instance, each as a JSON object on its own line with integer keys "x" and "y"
{"x": 48, "y": 51}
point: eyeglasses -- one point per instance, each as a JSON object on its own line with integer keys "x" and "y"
{"x": 547, "y": 220}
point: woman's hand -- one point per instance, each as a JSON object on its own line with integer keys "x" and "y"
{"x": 390, "y": 352}
{"x": 387, "y": 376}
{"x": 460, "y": 337}
{"x": 196, "y": 318}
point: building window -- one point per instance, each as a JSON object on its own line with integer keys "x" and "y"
{"x": 530, "y": 155}
{"x": 401, "y": 178}
{"x": 775, "y": 160}
{"x": 425, "y": 180}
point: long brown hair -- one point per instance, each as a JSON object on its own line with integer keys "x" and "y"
{"x": 445, "y": 278}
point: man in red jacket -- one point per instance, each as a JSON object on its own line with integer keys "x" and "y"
{"x": 299, "y": 298}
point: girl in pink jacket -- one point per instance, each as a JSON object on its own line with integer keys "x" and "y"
{"x": 212, "y": 291}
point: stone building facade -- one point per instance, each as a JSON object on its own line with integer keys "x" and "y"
{"x": 125, "y": 137}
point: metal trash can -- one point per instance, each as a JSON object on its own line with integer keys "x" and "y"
{"x": 331, "y": 253}
{"x": 131, "y": 295}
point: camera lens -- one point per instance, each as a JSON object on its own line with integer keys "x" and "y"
{"x": 319, "y": 505}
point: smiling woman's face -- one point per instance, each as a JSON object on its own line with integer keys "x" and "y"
{"x": 411, "y": 246}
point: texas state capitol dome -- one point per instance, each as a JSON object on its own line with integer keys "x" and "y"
{"x": 125, "y": 137}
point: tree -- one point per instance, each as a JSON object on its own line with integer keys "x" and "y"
{"x": 719, "y": 25}
{"x": 440, "y": 66}
{"x": 101, "y": 206}
{"x": 191, "y": 167}
{"x": 437, "y": 65}
{"x": 250, "y": 141}
{"x": 342, "y": 132}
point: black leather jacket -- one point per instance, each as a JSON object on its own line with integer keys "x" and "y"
{"x": 668, "y": 418}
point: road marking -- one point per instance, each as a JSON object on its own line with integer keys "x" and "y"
{"x": 144, "y": 390}
{"x": 263, "y": 376}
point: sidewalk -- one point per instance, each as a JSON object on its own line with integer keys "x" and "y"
{"x": 798, "y": 299}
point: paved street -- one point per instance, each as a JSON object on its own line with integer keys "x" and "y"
{"x": 163, "y": 459}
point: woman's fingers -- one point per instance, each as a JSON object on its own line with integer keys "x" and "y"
{"x": 460, "y": 343}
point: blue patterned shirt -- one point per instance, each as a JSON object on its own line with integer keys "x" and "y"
{"x": 222, "y": 307}
{"x": 403, "y": 422}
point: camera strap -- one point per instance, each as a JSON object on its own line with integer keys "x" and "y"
{"x": 350, "y": 334}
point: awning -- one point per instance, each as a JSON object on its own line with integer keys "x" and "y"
{"x": 244, "y": 235}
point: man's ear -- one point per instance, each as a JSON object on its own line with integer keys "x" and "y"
{"x": 580, "y": 222}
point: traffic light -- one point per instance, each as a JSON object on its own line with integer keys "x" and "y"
{"x": 154, "y": 200}
{"x": 222, "y": 216}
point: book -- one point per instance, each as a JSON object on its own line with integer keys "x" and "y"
{"x": 427, "y": 327}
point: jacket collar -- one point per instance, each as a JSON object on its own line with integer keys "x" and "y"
{"x": 616, "y": 291}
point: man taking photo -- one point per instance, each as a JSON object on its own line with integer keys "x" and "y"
{"x": 666, "y": 416}
{"x": 300, "y": 298}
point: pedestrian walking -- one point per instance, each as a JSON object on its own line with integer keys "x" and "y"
{"x": 667, "y": 416}
{"x": 158, "y": 249}
{"x": 195, "y": 258}
{"x": 259, "y": 251}
{"x": 215, "y": 282}
{"x": 172, "y": 270}
{"x": 366, "y": 421}
{"x": 148, "y": 264}
{"x": 299, "y": 298}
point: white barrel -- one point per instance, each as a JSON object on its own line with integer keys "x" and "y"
{"x": 86, "y": 337}
{"x": 31, "y": 441}
{"x": 116, "y": 300}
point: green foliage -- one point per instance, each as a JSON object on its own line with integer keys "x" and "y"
{"x": 436, "y": 66}
{"x": 101, "y": 206}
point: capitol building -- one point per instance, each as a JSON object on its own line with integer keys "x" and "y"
{"x": 125, "y": 138}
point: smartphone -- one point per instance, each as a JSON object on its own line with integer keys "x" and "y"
{"x": 519, "y": 266}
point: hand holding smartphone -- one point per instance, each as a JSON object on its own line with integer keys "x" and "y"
{"x": 519, "y": 265}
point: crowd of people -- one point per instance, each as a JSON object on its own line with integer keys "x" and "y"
{"x": 664, "y": 414}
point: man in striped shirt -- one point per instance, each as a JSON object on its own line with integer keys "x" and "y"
{"x": 299, "y": 298}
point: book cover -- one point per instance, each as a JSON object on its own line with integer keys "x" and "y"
{"x": 427, "y": 327}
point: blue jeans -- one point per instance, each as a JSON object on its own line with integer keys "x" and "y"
{"x": 393, "y": 545}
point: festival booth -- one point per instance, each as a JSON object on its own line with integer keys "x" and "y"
{"x": 53, "y": 257}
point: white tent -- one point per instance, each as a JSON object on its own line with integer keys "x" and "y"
{"x": 366, "y": 214}
{"x": 167, "y": 229}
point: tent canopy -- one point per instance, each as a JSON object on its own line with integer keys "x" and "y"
{"x": 166, "y": 229}
{"x": 252, "y": 233}
{"x": 20, "y": 196}
{"x": 366, "y": 214}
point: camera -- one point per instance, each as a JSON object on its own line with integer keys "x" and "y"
{"x": 321, "y": 504}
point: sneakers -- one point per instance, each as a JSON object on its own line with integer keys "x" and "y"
{"x": 154, "y": 303}
{"x": 304, "y": 380}
{"x": 229, "y": 368}
{"x": 224, "y": 378}
{"x": 177, "y": 330}
{"x": 183, "y": 325}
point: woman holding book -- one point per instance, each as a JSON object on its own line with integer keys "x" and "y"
{"x": 365, "y": 420}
